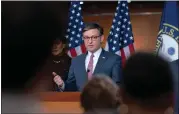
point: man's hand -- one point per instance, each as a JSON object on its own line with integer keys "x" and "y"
{"x": 57, "y": 79}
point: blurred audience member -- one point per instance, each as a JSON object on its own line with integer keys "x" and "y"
{"x": 27, "y": 38}
{"x": 100, "y": 95}
{"x": 175, "y": 71}
{"x": 147, "y": 86}
{"x": 28, "y": 29}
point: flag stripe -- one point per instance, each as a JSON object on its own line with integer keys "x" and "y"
{"x": 123, "y": 57}
{"x": 118, "y": 53}
{"x": 131, "y": 48}
{"x": 127, "y": 52}
{"x": 78, "y": 50}
{"x": 73, "y": 52}
{"x": 69, "y": 54}
{"x": 83, "y": 48}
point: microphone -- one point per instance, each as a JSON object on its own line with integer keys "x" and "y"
{"x": 88, "y": 70}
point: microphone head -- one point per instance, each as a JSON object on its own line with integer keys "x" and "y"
{"x": 88, "y": 70}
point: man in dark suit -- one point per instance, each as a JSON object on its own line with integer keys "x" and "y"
{"x": 95, "y": 61}
{"x": 175, "y": 71}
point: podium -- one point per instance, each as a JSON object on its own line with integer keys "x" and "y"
{"x": 61, "y": 102}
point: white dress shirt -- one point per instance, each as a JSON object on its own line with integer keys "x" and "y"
{"x": 95, "y": 58}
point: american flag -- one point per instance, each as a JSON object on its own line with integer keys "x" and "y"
{"x": 74, "y": 30}
{"x": 120, "y": 40}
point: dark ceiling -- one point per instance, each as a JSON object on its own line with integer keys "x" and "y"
{"x": 109, "y": 6}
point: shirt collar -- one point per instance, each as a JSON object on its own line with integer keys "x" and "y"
{"x": 97, "y": 53}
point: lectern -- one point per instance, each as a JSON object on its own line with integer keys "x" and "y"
{"x": 61, "y": 102}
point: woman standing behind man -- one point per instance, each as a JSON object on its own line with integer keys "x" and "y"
{"x": 58, "y": 62}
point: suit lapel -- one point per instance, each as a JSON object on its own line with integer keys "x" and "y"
{"x": 83, "y": 67}
{"x": 102, "y": 59}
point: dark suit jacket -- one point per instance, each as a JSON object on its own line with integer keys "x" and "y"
{"x": 108, "y": 64}
{"x": 175, "y": 71}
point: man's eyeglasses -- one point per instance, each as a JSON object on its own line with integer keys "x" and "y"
{"x": 92, "y": 37}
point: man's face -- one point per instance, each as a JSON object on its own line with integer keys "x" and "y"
{"x": 92, "y": 40}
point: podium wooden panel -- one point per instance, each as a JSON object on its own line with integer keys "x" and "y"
{"x": 61, "y": 102}
{"x": 60, "y": 96}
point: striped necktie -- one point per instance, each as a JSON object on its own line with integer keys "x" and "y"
{"x": 90, "y": 67}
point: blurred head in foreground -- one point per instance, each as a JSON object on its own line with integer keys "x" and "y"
{"x": 27, "y": 37}
{"x": 27, "y": 41}
{"x": 147, "y": 84}
{"x": 100, "y": 95}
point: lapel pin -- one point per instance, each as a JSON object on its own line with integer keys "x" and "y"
{"x": 103, "y": 57}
